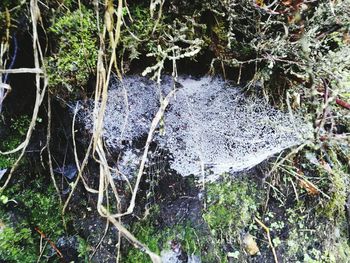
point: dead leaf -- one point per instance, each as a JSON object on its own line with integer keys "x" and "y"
{"x": 309, "y": 187}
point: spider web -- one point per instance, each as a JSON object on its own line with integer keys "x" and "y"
{"x": 209, "y": 126}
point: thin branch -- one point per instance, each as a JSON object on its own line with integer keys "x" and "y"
{"x": 267, "y": 230}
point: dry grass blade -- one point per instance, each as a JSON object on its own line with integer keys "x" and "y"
{"x": 267, "y": 230}
{"x": 23, "y": 71}
{"x": 132, "y": 239}
{"x": 153, "y": 128}
{"x": 96, "y": 146}
{"x": 40, "y": 91}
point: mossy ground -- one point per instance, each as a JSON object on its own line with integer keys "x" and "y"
{"x": 13, "y": 136}
{"x": 29, "y": 204}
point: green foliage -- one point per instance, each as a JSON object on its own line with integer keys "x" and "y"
{"x": 83, "y": 249}
{"x": 339, "y": 182}
{"x": 316, "y": 223}
{"x": 17, "y": 245}
{"x": 141, "y": 27}
{"x": 44, "y": 209}
{"x": 39, "y": 204}
{"x": 230, "y": 206}
{"x": 314, "y": 240}
{"x": 20, "y": 125}
{"x": 10, "y": 143}
{"x": 75, "y": 58}
{"x": 10, "y": 11}
{"x": 158, "y": 239}
{"x": 147, "y": 234}
{"x": 18, "y": 129}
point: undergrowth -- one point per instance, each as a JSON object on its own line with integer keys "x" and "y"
{"x": 26, "y": 206}
{"x": 295, "y": 54}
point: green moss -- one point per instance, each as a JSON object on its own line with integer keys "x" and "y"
{"x": 17, "y": 245}
{"x": 142, "y": 27}
{"x": 10, "y": 11}
{"x": 147, "y": 234}
{"x": 313, "y": 239}
{"x": 158, "y": 239}
{"x": 334, "y": 208}
{"x": 18, "y": 129}
{"x": 20, "y": 125}
{"x": 36, "y": 205}
{"x": 10, "y": 143}
{"x": 337, "y": 187}
{"x": 230, "y": 205}
{"x": 75, "y": 58}
{"x": 44, "y": 210}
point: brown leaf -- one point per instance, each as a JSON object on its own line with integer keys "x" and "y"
{"x": 309, "y": 187}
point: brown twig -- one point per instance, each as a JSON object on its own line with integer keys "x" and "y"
{"x": 52, "y": 244}
{"x": 342, "y": 103}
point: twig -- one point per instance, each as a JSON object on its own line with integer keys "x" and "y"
{"x": 100, "y": 242}
{"x": 52, "y": 244}
{"x": 303, "y": 179}
{"x": 14, "y": 56}
{"x": 267, "y": 230}
{"x": 48, "y": 141}
{"x": 154, "y": 125}
{"x": 42, "y": 249}
{"x": 154, "y": 257}
{"x": 343, "y": 103}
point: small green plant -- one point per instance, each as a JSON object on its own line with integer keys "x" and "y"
{"x": 147, "y": 234}
{"x": 20, "y": 125}
{"x": 7, "y": 161}
{"x": 75, "y": 58}
{"x": 141, "y": 27}
{"x": 158, "y": 239}
{"x": 230, "y": 205}
{"x": 83, "y": 249}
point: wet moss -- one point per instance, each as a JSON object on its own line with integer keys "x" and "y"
{"x": 12, "y": 242}
{"x": 184, "y": 235}
{"x": 230, "y": 208}
{"x": 75, "y": 53}
{"x": 12, "y": 139}
{"x": 27, "y": 206}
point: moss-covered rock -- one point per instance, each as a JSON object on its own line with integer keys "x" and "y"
{"x": 74, "y": 57}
